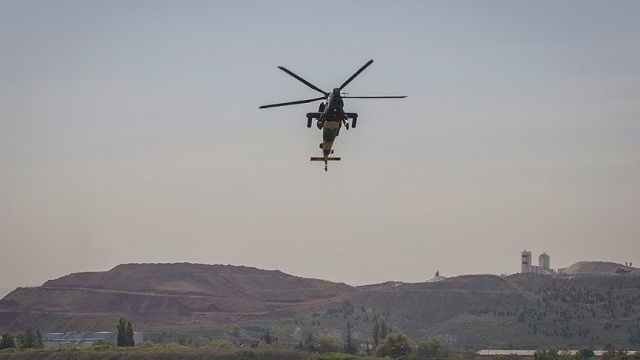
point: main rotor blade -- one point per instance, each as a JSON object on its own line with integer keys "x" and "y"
{"x": 356, "y": 74}
{"x": 303, "y": 80}
{"x": 375, "y": 97}
{"x": 292, "y": 103}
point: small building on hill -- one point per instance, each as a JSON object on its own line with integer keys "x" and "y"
{"x": 543, "y": 267}
{"x": 84, "y": 339}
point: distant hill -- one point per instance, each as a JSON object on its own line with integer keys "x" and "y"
{"x": 164, "y": 295}
{"x": 218, "y": 281}
{"x": 590, "y": 304}
{"x": 598, "y": 268}
{"x": 5, "y": 291}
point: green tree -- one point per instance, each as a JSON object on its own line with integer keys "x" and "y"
{"x": 267, "y": 337}
{"x": 585, "y": 353}
{"x": 29, "y": 339}
{"x": 125, "y": 333}
{"x": 394, "y": 345}
{"x": 8, "y": 341}
{"x": 308, "y": 339}
{"x": 324, "y": 344}
{"x": 385, "y": 329}
{"x": 375, "y": 332}
{"x": 129, "y": 335}
{"x": 431, "y": 348}
{"x": 380, "y": 329}
{"x": 349, "y": 346}
{"x": 20, "y": 340}
{"x": 347, "y": 307}
{"x": 39, "y": 340}
{"x": 122, "y": 332}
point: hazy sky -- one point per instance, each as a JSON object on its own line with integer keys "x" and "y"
{"x": 130, "y": 132}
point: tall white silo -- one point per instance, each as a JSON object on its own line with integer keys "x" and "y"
{"x": 544, "y": 261}
{"x": 526, "y": 261}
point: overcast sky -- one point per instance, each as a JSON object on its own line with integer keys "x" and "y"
{"x": 130, "y": 132}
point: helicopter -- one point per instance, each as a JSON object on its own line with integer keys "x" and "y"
{"x": 330, "y": 116}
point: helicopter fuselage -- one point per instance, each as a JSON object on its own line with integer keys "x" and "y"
{"x": 331, "y": 121}
{"x": 330, "y": 118}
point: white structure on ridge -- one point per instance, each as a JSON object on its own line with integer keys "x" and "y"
{"x": 544, "y": 264}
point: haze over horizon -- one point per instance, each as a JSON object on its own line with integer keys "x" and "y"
{"x": 131, "y": 134}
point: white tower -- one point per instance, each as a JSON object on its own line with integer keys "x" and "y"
{"x": 544, "y": 261}
{"x": 526, "y": 261}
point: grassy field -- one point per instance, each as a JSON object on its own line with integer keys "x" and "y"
{"x": 169, "y": 352}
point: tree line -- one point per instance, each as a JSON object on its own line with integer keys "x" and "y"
{"x": 32, "y": 339}
{"x": 29, "y": 339}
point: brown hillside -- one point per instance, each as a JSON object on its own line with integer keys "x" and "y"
{"x": 207, "y": 280}
{"x": 164, "y": 294}
{"x": 522, "y": 310}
